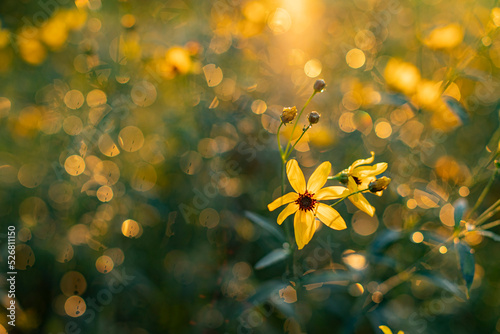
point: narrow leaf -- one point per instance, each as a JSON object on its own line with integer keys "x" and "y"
{"x": 467, "y": 262}
{"x": 273, "y": 257}
{"x": 460, "y": 206}
{"x": 442, "y": 282}
{"x": 266, "y": 291}
{"x": 394, "y": 99}
{"x": 384, "y": 240}
{"x": 266, "y": 225}
{"x": 325, "y": 276}
{"x": 457, "y": 108}
{"x": 489, "y": 234}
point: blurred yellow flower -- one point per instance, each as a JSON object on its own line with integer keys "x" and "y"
{"x": 387, "y": 330}
{"x": 359, "y": 178}
{"x": 30, "y": 48}
{"x": 4, "y": 38}
{"x": 304, "y": 202}
{"x": 401, "y": 76}
{"x": 495, "y": 16}
{"x": 446, "y": 37}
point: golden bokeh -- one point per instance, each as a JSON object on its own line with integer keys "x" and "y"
{"x": 74, "y": 165}
{"x": 131, "y": 138}
{"x": 131, "y": 229}
{"x": 75, "y": 306}
{"x": 104, "y": 264}
{"x": 73, "y": 283}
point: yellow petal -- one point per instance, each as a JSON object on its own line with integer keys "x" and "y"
{"x": 290, "y": 208}
{"x": 385, "y": 329}
{"x": 331, "y": 193}
{"x": 362, "y": 162}
{"x": 330, "y": 217}
{"x": 367, "y": 171}
{"x": 401, "y": 332}
{"x": 319, "y": 177}
{"x": 362, "y": 203}
{"x": 304, "y": 227}
{"x": 295, "y": 176}
{"x": 351, "y": 184}
{"x": 290, "y": 197}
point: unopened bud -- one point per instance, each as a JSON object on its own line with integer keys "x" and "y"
{"x": 344, "y": 178}
{"x": 497, "y": 164}
{"x": 319, "y": 85}
{"x": 313, "y": 117}
{"x": 379, "y": 184}
{"x": 288, "y": 114}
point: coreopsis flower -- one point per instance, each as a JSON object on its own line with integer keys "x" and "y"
{"x": 304, "y": 202}
{"x": 387, "y": 330}
{"x": 358, "y": 177}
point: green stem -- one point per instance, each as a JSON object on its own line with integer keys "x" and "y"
{"x": 297, "y": 121}
{"x": 279, "y": 146}
{"x": 351, "y": 194}
{"x": 490, "y": 225}
{"x": 483, "y": 194}
{"x": 296, "y": 142}
{"x": 488, "y": 216}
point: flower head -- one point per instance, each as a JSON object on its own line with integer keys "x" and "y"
{"x": 304, "y": 202}
{"x": 359, "y": 177}
{"x": 379, "y": 185}
{"x": 288, "y": 114}
{"x": 313, "y": 117}
{"x": 319, "y": 85}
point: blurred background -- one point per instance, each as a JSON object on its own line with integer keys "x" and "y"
{"x": 138, "y": 155}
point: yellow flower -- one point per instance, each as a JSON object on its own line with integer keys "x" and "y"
{"x": 387, "y": 330}
{"x": 304, "y": 202}
{"x": 359, "y": 178}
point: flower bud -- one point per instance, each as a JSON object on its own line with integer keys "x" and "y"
{"x": 313, "y": 117}
{"x": 288, "y": 114}
{"x": 344, "y": 178}
{"x": 497, "y": 164}
{"x": 319, "y": 85}
{"x": 379, "y": 184}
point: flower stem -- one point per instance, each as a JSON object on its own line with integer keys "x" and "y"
{"x": 483, "y": 194}
{"x": 343, "y": 198}
{"x": 297, "y": 121}
{"x": 295, "y": 144}
{"x": 281, "y": 150}
{"x": 490, "y": 225}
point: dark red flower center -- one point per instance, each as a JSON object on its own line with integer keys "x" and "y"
{"x": 358, "y": 181}
{"x": 306, "y": 201}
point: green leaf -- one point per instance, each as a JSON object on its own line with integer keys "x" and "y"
{"x": 384, "y": 240}
{"x": 394, "y": 99}
{"x": 489, "y": 234}
{"x": 266, "y": 291}
{"x": 457, "y": 108}
{"x": 324, "y": 276}
{"x": 266, "y": 225}
{"x": 460, "y": 207}
{"x": 442, "y": 282}
{"x": 467, "y": 262}
{"x": 273, "y": 257}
